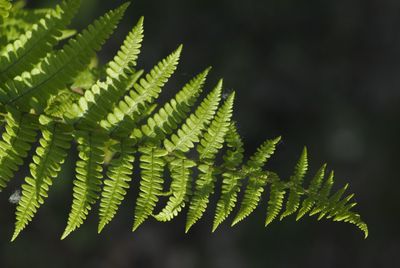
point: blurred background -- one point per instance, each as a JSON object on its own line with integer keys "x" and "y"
{"x": 325, "y": 74}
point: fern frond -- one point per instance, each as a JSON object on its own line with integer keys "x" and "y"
{"x": 315, "y": 184}
{"x": 355, "y": 219}
{"x": 167, "y": 119}
{"x": 251, "y": 197}
{"x": 257, "y": 180}
{"x": 203, "y": 189}
{"x": 53, "y": 149}
{"x": 123, "y": 119}
{"x": 34, "y": 89}
{"x": 24, "y": 52}
{"x": 295, "y": 188}
{"x": 261, "y": 156}
{"x": 213, "y": 139}
{"x": 127, "y": 55}
{"x": 17, "y": 139}
{"x": 151, "y": 183}
{"x": 87, "y": 184}
{"x": 180, "y": 170}
{"x": 117, "y": 181}
{"x": 99, "y": 100}
{"x": 323, "y": 195}
{"x": 231, "y": 182}
{"x": 337, "y": 207}
{"x": 208, "y": 147}
{"x": 110, "y": 111}
{"x": 332, "y": 202}
{"x": 190, "y": 131}
{"x": 96, "y": 102}
{"x": 275, "y": 202}
{"x": 318, "y": 199}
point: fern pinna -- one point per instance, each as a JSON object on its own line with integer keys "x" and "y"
{"x": 53, "y": 95}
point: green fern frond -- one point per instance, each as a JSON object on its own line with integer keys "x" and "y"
{"x": 315, "y": 184}
{"x": 123, "y": 119}
{"x": 277, "y": 194}
{"x": 151, "y": 183}
{"x": 167, "y": 119}
{"x": 190, "y": 131}
{"x": 208, "y": 147}
{"x": 17, "y": 139}
{"x": 323, "y": 195}
{"x": 251, "y": 197}
{"x": 295, "y": 188}
{"x": 92, "y": 107}
{"x": 110, "y": 112}
{"x": 25, "y": 52}
{"x": 53, "y": 149}
{"x": 33, "y": 89}
{"x": 180, "y": 170}
{"x": 205, "y": 184}
{"x": 257, "y": 180}
{"x": 87, "y": 184}
{"x": 117, "y": 182}
{"x": 261, "y": 156}
{"x": 213, "y": 139}
{"x": 126, "y": 57}
{"x": 231, "y": 182}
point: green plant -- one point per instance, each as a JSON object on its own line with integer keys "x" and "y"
{"x": 110, "y": 112}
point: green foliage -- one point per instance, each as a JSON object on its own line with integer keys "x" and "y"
{"x": 186, "y": 148}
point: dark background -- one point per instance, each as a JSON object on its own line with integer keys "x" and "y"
{"x": 320, "y": 73}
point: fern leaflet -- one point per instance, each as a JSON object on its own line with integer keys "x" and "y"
{"x": 119, "y": 175}
{"x": 190, "y": 131}
{"x": 20, "y": 134}
{"x": 151, "y": 184}
{"x": 257, "y": 180}
{"x": 295, "y": 185}
{"x": 87, "y": 184}
{"x": 54, "y": 145}
{"x": 180, "y": 188}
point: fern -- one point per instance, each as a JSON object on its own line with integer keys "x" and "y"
{"x": 91, "y": 107}
{"x": 275, "y": 202}
{"x": 88, "y": 179}
{"x": 180, "y": 188}
{"x": 208, "y": 147}
{"x": 144, "y": 93}
{"x": 167, "y": 119}
{"x": 231, "y": 182}
{"x": 20, "y": 133}
{"x": 119, "y": 175}
{"x": 185, "y": 148}
{"x": 151, "y": 184}
{"x": 32, "y": 89}
{"x": 295, "y": 185}
{"x": 256, "y": 183}
{"x": 25, "y": 51}
{"x": 190, "y": 131}
{"x": 51, "y": 153}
